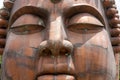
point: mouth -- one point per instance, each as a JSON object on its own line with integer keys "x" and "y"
{"x": 57, "y": 68}
{"x": 56, "y": 75}
{"x": 60, "y": 73}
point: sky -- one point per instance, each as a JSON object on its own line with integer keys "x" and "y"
{"x": 117, "y": 3}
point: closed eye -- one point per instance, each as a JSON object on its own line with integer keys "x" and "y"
{"x": 84, "y": 28}
{"x": 27, "y": 24}
{"x": 26, "y": 29}
{"x": 84, "y": 22}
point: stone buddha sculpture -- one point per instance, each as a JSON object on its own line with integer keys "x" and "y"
{"x": 58, "y": 40}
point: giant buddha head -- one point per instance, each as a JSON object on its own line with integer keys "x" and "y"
{"x": 58, "y": 40}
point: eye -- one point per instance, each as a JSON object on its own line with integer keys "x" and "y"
{"x": 84, "y": 23}
{"x": 26, "y": 29}
{"x": 27, "y": 24}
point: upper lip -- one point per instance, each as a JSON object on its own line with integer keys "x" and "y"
{"x": 61, "y": 70}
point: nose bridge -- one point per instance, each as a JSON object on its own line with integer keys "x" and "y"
{"x": 55, "y": 29}
{"x": 55, "y": 34}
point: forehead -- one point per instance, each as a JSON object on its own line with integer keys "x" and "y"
{"x": 39, "y": 7}
{"x": 48, "y": 5}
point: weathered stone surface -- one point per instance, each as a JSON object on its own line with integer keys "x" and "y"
{"x": 60, "y": 40}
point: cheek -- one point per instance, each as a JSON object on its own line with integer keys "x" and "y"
{"x": 93, "y": 54}
{"x": 23, "y": 45}
{"x": 19, "y": 42}
{"x": 16, "y": 66}
{"x": 92, "y": 61}
{"x": 89, "y": 58}
{"x": 99, "y": 38}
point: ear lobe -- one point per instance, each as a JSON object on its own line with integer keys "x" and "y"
{"x": 3, "y": 29}
{"x": 4, "y": 16}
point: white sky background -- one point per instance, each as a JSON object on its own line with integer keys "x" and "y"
{"x": 117, "y": 3}
{"x": 1, "y": 3}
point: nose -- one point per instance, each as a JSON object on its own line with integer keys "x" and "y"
{"x": 56, "y": 44}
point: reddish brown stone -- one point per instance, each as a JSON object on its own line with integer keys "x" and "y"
{"x": 68, "y": 40}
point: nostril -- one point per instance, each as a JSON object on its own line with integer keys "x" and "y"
{"x": 46, "y": 52}
{"x": 64, "y": 51}
{"x": 67, "y": 48}
{"x": 47, "y": 48}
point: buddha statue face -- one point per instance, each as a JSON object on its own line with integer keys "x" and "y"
{"x": 61, "y": 40}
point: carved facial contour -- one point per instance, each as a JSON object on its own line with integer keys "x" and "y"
{"x": 63, "y": 41}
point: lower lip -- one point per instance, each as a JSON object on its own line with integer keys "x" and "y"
{"x": 56, "y": 77}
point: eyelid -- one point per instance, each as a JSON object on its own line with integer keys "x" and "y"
{"x": 26, "y": 29}
{"x": 85, "y": 18}
{"x": 41, "y": 12}
{"x": 26, "y": 25}
{"x": 28, "y": 19}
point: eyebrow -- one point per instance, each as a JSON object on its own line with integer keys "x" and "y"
{"x": 82, "y": 8}
{"x": 42, "y": 13}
